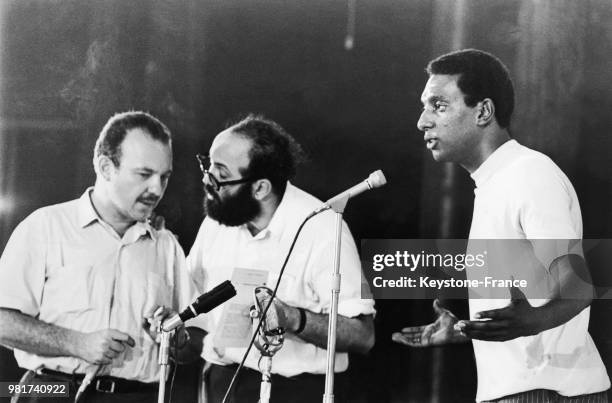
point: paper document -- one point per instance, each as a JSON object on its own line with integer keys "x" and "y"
{"x": 235, "y": 324}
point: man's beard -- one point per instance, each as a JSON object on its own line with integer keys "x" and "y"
{"x": 233, "y": 210}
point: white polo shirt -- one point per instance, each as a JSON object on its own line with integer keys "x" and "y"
{"x": 219, "y": 249}
{"x": 65, "y": 266}
{"x": 521, "y": 194}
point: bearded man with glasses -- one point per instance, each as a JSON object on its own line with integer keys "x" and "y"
{"x": 253, "y": 213}
{"x": 236, "y": 208}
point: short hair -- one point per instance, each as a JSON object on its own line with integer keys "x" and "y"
{"x": 481, "y": 75}
{"x": 114, "y": 131}
{"x": 274, "y": 153}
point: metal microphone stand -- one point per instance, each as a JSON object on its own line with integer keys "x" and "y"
{"x": 328, "y": 397}
{"x": 164, "y": 354}
{"x": 268, "y": 342}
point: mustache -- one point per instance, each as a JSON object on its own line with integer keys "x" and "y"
{"x": 208, "y": 189}
{"x": 148, "y": 199}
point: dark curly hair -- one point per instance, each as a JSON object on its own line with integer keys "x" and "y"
{"x": 274, "y": 154}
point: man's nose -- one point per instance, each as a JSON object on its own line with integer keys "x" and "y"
{"x": 156, "y": 185}
{"x": 424, "y": 123}
{"x": 207, "y": 180}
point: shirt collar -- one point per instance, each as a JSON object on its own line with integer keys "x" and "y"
{"x": 280, "y": 217}
{"x": 87, "y": 215}
{"x": 503, "y": 155}
{"x": 138, "y": 230}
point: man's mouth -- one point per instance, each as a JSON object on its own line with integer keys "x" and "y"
{"x": 209, "y": 193}
{"x": 148, "y": 202}
{"x": 431, "y": 143}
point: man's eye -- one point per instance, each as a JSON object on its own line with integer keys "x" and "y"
{"x": 144, "y": 174}
{"x": 440, "y": 107}
{"x": 222, "y": 175}
{"x": 215, "y": 172}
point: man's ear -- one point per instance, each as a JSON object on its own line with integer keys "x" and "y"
{"x": 105, "y": 167}
{"x": 486, "y": 112}
{"x": 262, "y": 189}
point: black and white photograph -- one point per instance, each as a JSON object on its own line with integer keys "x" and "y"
{"x": 295, "y": 201}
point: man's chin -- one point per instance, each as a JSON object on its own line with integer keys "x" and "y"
{"x": 143, "y": 214}
{"x": 234, "y": 210}
{"x": 221, "y": 219}
{"x": 439, "y": 156}
{"x": 229, "y": 220}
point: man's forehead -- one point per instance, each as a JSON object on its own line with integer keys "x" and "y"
{"x": 139, "y": 144}
{"x": 231, "y": 149}
{"x": 440, "y": 86}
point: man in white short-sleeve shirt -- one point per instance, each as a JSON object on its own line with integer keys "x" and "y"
{"x": 526, "y": 350}
{"x": 253, "y": 213}
{"x": 81, "y": 282}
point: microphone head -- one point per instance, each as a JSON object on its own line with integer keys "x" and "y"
{"x": 202, "y": 304}
{"x": 376, "y": 179}
{"x": 214, "y": 297}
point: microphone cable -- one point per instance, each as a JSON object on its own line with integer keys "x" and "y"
{"x": 174, "y": 367}
{"x": 265, "y": 311}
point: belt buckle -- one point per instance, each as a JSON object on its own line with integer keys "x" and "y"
{"x": 102, "y": 383}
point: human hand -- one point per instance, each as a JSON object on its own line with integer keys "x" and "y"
{"x": 102, "y": 346}
{"x": 157, "y": 221}
{"x": 440, "y": 332}
{"x": 517, "y": 319}
{"x": 152, "y": 324}
{"x": 280, "y": 315}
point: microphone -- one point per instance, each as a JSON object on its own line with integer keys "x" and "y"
{"x": 375, "y": 180}
{"x": 89, "y": 376}
{"x": 202, "y": 304}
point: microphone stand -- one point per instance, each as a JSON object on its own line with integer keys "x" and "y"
{"x": 338, "y": 206}
{"x": 164, "y": 353}
{"x": 268, "y": 342}
{"x": 265, "y": 389}
{"x": 166, "y": 328}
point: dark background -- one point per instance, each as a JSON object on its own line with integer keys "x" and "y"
{"x": 66, "y": 66}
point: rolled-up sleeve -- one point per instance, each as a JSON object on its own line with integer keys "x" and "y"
{"x": 550, "y": 217}
{"x": 351, "y": 302}
{"x": 22, "y": 266}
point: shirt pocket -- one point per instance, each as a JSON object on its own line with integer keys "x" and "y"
{"x": 159, "y": 292}
{"x": 68, "y": 292}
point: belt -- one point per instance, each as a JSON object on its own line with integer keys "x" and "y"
{"x": 246, "y": 371}
{"x": 105, "y": 384}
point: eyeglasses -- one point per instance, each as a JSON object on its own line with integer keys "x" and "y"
{"x": 204, "y": 161}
